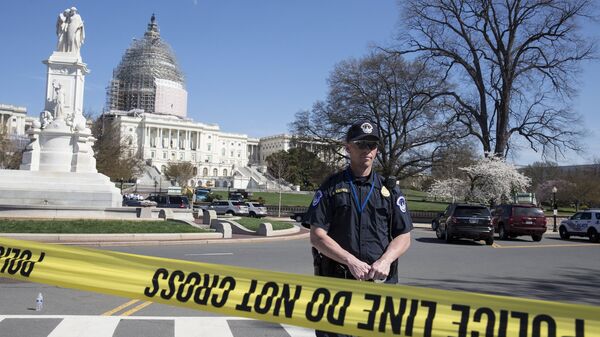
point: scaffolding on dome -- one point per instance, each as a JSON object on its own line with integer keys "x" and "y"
{"x": 133, "y": 84}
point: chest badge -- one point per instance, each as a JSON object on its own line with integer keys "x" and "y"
{"x": 385, "y": 192}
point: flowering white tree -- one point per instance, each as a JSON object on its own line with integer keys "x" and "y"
{"x": 452, "y": 188}
{"x": 489, "y": 180}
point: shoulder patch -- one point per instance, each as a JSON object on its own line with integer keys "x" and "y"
{"x": 341, "y": 190}
{"x": 317, "y": 198}
{"x": 385, "y": 192}
{"x": 401, "y": 202}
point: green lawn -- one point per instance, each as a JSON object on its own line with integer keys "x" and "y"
{"x": 417, "y": 200}
{"x": 95, "y": 226}
{"x": 253, "y": 223}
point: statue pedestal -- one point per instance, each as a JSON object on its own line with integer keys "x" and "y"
{"x": 58, "y": 149}
{"x": 21, "y": 187}
{"x": 58, "y": 166}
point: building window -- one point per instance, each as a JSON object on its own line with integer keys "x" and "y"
{"x": 163, "y": 169}
{"x": 164, "y": 155}
{"x": 209, "y": 146}
{"x": 215, "y": 172}
{"x": 181, "y": 156}
{"x": 152, "y": 154}
{"x": 223, "y": 152}
{"x": 193, "y": 157}
{"x": 231, "y": 154}
{"x": 224, "y": 172}
{"x": 195, "y": 172}
{"x": 204, "y": 172}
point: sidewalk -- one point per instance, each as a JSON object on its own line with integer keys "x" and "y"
{"x": 140, "y": 239}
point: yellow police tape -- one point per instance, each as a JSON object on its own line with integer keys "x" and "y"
{"x": 343, "y": 306}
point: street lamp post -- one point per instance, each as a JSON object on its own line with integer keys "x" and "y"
{"x": 554, "y": 211}
{"x": 155, "y": 184}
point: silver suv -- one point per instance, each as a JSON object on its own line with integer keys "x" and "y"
{"x": 256, "y": 209}
{"x": 232, "y": 207}
{"x": 584, "y": 223}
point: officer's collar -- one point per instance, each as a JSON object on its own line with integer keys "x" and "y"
{"x": 369, "y": 179}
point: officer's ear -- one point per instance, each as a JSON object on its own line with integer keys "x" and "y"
{"x": 347, "y": 147}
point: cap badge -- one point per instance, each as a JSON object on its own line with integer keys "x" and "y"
{"x": 366, "y": 128}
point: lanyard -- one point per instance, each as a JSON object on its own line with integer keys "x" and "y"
{"x": 360, "y": 207}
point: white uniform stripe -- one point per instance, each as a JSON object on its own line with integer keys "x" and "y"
{"x": 296, "y": 331}
{"x": 202, "y": 327}
{"x": 89, "y": 326}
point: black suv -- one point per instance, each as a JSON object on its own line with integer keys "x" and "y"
{"x": 170, "y": 201}
{"x": 469, "y": 221}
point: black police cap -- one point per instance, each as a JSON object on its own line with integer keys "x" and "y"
{"x": 362, "y": 130}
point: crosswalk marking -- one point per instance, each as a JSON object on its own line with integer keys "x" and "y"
{"x": 105, "y": 326}
{"x": 203, "y": 327}
{"x": 89, "y": 326}
{"x": 296, "y": 331}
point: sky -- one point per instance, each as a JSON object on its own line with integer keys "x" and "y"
{"x": 249, "y": 66}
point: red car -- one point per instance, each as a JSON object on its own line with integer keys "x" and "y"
{"x": 512, "y": 220}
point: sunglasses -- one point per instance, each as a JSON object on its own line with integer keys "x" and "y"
{"x": 365, "y": 145}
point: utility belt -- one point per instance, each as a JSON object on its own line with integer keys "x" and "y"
{"x": 324, "y": 266}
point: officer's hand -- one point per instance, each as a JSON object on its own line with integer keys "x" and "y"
{"x": 359, "y": 269}
{"x": 379, "y": 270}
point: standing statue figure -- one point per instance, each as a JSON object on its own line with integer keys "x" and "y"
{"x": 61, "y": 30}
{"x": 59, "y": 99}
{"x": 75, "y": 31}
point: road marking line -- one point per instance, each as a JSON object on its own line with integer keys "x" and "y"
{"x": 136, "y": 309}
{"x": 202, "y": 327}
{"x": 495, "y": 245}
{"x": 122, "y": 306}
{"x": 86, "y": 326}
{"x": 297, "y": 331}
{"x": 550, "y": 246}
{"x": 208, "y": 254}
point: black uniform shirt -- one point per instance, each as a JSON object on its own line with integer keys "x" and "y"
{"x": 364, "y": 234}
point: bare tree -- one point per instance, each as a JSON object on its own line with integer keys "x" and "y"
{"x": 515, "y": 63}
{"x": 114, "y": 156}
{"x": 397, "y": 96}
{"x": 279, "y": 167}
{"x": 181, "y": 172}
{"x": 10, "y": 154}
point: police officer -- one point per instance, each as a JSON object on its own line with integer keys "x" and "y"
{"x": 359, "y": 227}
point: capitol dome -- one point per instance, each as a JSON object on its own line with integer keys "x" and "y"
{"x": 148, "y": 78}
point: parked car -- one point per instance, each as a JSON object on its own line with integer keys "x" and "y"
{"x": 469, "y": 221}
{"x": 232, "y": 207}
{"x": 139, "y": 203}
{"x": 297, "y": 216}
{"x": 170, "y": 201}
{"x": 435, "y": 222}
{"x": 512, "y": 220}
{"x": 256, "y": 209}
{"x": 584, "y": 223}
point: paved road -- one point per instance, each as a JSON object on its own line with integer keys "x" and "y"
{"x": 552, "y": 269}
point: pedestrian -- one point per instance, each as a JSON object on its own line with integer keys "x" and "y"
{"x": 359, "y": 224}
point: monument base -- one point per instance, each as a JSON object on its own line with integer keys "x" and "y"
{"x": 21, "y": 187}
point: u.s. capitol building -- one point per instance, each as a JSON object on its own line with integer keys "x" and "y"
{"x": 147, "y": 100}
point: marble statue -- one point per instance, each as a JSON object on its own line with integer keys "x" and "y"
{"x": 70, "y": 31}
{"x": 45, "y": 118}
{"x": 59, "y": 100}
{"x": 61, "y": 30}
